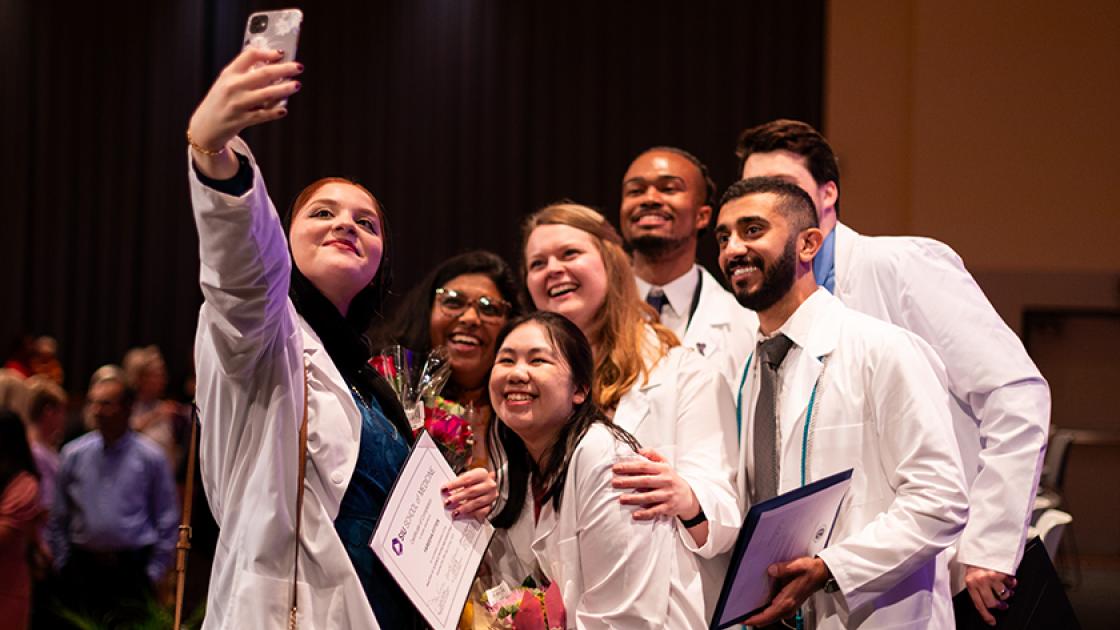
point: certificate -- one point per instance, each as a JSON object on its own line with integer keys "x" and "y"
{"x": 432, "y": 557}
{"x": 789, "y": 526}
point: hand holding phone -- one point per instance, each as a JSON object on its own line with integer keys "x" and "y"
{"x": 253, "y": 89}
{"x": 275, "y": 30}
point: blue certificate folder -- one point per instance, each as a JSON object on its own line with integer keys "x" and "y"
{"x": 791, "y": 525}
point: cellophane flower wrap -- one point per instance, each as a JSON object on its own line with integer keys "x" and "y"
{"x": 445, "y": 420}
{"x": 527, "y": 607}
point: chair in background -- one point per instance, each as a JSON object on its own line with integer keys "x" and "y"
{"x": 1050, "y": 527}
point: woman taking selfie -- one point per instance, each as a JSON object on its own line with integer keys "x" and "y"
{"x": 670, "y": 398}
{"x": 279, "y": 343}
{"x": 562, "y": 515}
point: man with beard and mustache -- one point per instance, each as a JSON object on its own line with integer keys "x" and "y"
{"x": 1000, "y": 402}
{"x": 879, "y": 406}
{"x": 667, "y": 198}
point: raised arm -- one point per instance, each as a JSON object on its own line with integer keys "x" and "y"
{"x": 245, "y": 266}
{"x": 248, "y": 92}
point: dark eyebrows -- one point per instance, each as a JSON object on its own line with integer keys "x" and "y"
{"x": 743, "y": 222}
{"x": 660, "y": 180}
{"x": 534, "y": 351}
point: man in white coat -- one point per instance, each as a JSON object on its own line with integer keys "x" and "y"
{"x": 1000, "y": 403}
{"x": 667, "y": 198}
{"x": 843, "y": 390}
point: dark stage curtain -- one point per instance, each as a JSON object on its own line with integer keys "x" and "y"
{"x": 461, "y": 116}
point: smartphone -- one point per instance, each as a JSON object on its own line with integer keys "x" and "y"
{"x": 275, "y": 30}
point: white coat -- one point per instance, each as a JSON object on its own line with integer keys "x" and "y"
{"x": 1000, "y": 402}
{"x": 612, "y": 571}
{"x": 880, "y": 408}
{"x": 685, "y": 411}
{"x": 721, "y": 329}
{"x": 251, "y": 351}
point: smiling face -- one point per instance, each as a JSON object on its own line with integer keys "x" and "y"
{"x": 757, "y": 250}
{"x": 565, "y": 273}
{"x": 663, "y": 203}
{"x": 531, "y": 387}
{"x": 336, "y": 241}
{"x": 469, "y": 335}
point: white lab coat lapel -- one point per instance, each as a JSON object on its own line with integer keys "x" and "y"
{"x": 711, "y": 321}
{"x": 542, "y": 537}
{"x": 820, "y": 341}
{"x": 795, "y": 396}
{"x": 634, "y": 408}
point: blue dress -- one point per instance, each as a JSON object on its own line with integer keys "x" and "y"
{"x": 381, "y": 455}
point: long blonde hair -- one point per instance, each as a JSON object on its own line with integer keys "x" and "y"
{"x": 618, "y": 330}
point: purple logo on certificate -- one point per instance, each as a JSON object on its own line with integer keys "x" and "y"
{"x": 398, "y": 547}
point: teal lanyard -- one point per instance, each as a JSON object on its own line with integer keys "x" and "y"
{"x": 808, "y": 414}
{"x": 799, "y": 620}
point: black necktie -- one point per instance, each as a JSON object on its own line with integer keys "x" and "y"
{"x": 770, "y": 353}
{"x": 656, "y": 298}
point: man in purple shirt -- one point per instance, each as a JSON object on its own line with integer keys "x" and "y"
{"x": 114, "y": 521}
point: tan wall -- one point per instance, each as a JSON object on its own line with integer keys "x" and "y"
{"x": 991, "y": 126}
{"x": 994, "y": 127}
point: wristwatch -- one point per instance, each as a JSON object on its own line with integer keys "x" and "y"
{"x": 695, "y": 520}
{"x": 830, "y": 586}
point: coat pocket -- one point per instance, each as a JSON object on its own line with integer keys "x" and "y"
{"x": 261, "y": 601}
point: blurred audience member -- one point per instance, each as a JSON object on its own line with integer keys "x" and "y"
{"x": 44, "y": 359}
{"x": 152, "y": 415}
{"x": 46, "y": 419}
{"x": 114, "y": 519}
{"x": 19, "y": 355}
{"x": 20, "y": 514}
{"x": 13, "y": 392}
{"x": 29, "y": 355}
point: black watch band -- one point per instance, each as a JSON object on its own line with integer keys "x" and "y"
{"x": 695, "y": 520}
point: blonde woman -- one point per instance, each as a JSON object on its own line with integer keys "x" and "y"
{"x": 670, "y": 398}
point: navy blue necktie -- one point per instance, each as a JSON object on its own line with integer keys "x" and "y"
{"x": 656, "y": 298}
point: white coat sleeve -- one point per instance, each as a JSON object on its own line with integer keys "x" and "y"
{"x": 626, "y": 565}
{"x": 245, "y": 271}
{"x": 990, "y": 373}
{"x": 707, "y": 451}
{"x": 922, "y": 463}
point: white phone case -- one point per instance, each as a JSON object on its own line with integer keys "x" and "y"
{"x": 275, "y": 30}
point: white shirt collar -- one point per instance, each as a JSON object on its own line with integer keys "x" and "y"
{"x": 679, "y": 291}
{"x": 798, "y": 326}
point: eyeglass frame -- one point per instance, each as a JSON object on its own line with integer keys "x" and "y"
{"x": 476, "y": 303}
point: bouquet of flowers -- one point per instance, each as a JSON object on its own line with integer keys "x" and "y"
{"x": 526, "y": 607}
{"x": 446, "y": 421}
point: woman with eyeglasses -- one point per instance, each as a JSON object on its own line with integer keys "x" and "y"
{"x": 462, "y": 304}
{"x": 279, "y": 341}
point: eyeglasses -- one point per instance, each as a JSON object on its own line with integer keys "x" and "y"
{"x": 455, "y": 304}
